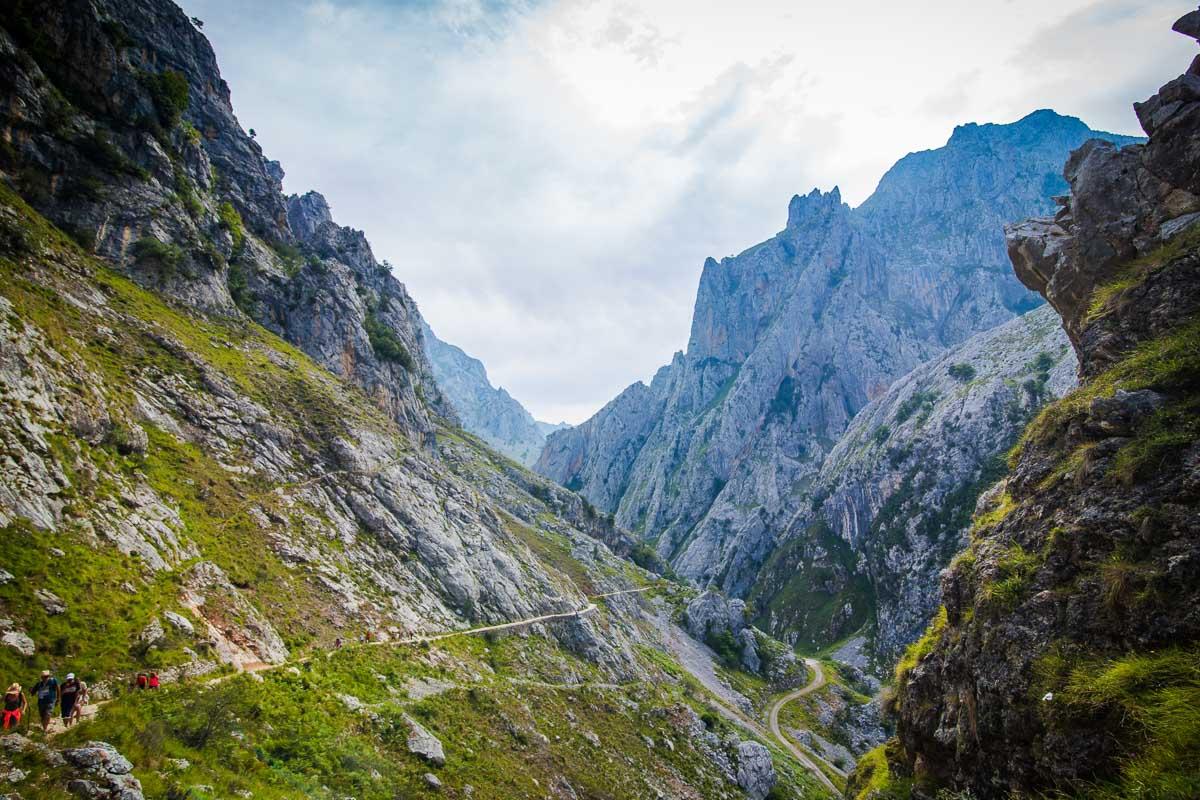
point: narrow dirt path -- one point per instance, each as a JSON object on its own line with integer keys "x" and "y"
{"x": 773, "y": 718}
{"x": 90, "y": 709}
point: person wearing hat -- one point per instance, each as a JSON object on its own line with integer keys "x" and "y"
{"x": 70, "y": 694}
{"x": 14, "y": 706}
{"x": 46, "y": 692}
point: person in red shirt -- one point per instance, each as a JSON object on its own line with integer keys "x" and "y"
{"x": 15, "y": 705}
{"x": 153, "y": 680}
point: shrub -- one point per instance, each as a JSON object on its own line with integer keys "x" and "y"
{"x": 231, "y": 221}
{"x": 725, "y": 646}
{"x": 239, "y": 289}
{"x": 962, "y": 372}
{"x": 169, "y": 91}
{"x": 386, "y": 343}
{"x": 149, "y": 249}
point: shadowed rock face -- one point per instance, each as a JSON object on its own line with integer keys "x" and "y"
{"x": 795, "y": 336}
{"x": 1086, "y": 561}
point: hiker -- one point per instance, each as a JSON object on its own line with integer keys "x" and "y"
{"x": 153, "y": 680}
{"x": 142, "y": 680}
{"x": 80, "y": 701}
{"x": 15, "y": 705}
{"x": 337, "y": 643}
{"x": 69, "y": 698}
{"x": 46, "y": 692}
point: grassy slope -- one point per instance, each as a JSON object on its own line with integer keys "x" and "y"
{"x": 284, "y": 734}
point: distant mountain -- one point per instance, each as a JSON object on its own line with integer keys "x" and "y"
{"x": 793, "y": 337}
{"x": 490, "y": 413}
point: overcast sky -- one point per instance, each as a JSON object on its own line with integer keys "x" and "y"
{"x": 548, "y": 177}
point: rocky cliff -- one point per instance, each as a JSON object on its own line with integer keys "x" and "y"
{"x": 795, "y": 336}
{"x": 491, "y": 414}
{"x": 893, "y": 501}
{"x": 1064, "y": 658}
{"x": 118, "y": 128}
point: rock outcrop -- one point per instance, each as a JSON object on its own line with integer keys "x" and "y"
{"x": 718, "y": 456}
{"x": 491, "y": 414}
{"x": 1070, "y": 633}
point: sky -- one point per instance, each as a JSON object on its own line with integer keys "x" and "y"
{"x": 548, "y": 177}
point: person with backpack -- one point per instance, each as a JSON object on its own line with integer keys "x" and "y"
{"x": 46, "y": 692}
{"x": 142, "y": 680}
{"x": 15, "y": 705}
{"x": 70, "y": 695}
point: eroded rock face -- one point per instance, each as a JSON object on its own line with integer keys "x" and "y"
{"x": 795, "y": 336}
{"x": 1090, "y": 552}
{"x": 180, "y": 198}
{"x": 894, "y": 498}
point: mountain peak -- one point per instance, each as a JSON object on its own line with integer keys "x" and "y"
{"x": 815, "y": 203}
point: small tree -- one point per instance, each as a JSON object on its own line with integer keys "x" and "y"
{"x": 962, "y": 372}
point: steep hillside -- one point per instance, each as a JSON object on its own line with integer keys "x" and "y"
{"x": 894, "y": 498}
{"x": 224, "y": 451}
{"x": 491, "y": 414}
{"x": 795, "y": 336}
{"x": 119, "y": 129}
{"x": 1065, "y": 656}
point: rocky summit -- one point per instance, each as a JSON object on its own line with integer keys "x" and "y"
{"x": 721, "y": 459}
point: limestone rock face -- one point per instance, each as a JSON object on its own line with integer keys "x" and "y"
{"x": 491, "y": 414}
{"x": 791, "y": 339}
{"x": 894, "y": 498}
{"x": 1084, "y": 563}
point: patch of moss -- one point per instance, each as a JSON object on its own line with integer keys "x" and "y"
{"x": 922, "y": 647}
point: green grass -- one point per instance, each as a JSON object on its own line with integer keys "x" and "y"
{"x": 1169, "y": 364}
{"x": 1106, "y": 297}
{"x": 1016, "y": 566}
{"x": 922, "y": 647}
{"x": 873, "y": 779}
{"x": 1152, "y": 702}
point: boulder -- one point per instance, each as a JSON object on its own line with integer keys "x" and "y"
{"x": 424, "y": 744}
{"x": 99, "y": 757}
{"x": 179, "y": 622}
{"x": 755, "y": 772}
{"x": 19, "y": 641}
{"x": 53, "y": 604}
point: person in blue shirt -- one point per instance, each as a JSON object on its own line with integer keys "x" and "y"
{"x": 45, "y": 691}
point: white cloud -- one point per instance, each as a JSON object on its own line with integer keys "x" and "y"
{"x": 548, "y": 178}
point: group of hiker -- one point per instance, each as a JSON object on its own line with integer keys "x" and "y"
{"x": 70, "y": 696}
